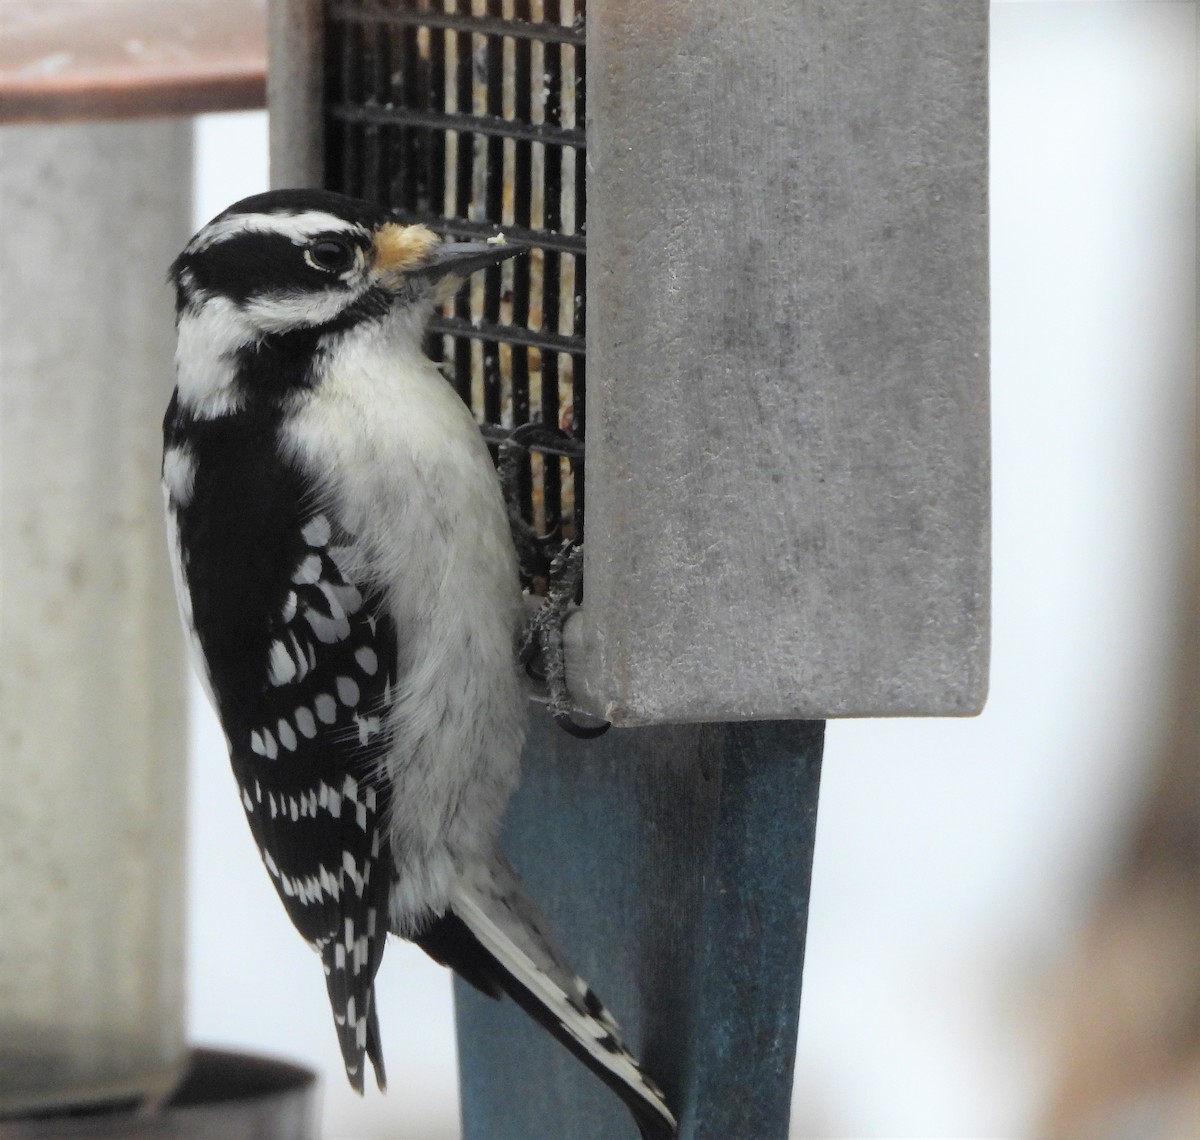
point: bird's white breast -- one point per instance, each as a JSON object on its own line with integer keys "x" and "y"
{"x": 400, "y": 461}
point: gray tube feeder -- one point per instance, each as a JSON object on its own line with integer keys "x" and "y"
{"x": 787, "y": 500}
{"x": 92, "y": 754}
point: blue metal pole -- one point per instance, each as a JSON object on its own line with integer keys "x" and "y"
{"x": 673, "y": 864}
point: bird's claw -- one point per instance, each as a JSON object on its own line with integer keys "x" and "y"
{"x": 540, "y": 650}
{"x": 537, "y": 434}
{"x": 567, "y": 722}
{"x": 543, "y": 642}
{"x": 533, "y": 549}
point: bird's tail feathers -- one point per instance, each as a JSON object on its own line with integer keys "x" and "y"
{"x": 356, "y": 1019}
{"x": 493, "y": 936}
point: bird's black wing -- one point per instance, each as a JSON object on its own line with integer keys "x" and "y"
{"x": 300, "y": 660}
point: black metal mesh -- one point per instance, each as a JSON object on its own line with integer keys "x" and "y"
{"x": 468, "y": 116}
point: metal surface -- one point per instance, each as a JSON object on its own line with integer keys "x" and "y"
{"x": 788, "y": 342}
{"x": 93, "y": 743}
{"x": 61, "y": 60}
{"x": 787, "y": 393}
{"x": 468, "y": 118}
{"x": 229, "y": 1096}
{"x": 673, "y": 865}
{"x": 296, "y": 91}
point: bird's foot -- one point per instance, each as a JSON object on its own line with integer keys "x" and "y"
{"x": 541, "y": 649}
{"x": 534, "y": 550}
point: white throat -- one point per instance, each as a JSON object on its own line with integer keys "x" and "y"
{"x": 209, "y": 338}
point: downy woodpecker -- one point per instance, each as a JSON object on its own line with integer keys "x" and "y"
{"x": 348, "y": 584}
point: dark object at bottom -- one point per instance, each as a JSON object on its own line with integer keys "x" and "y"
{"x": 673, "y": 866}
{"x": 228, "y": 1095}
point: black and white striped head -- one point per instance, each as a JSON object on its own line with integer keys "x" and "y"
{"x": 279, "y": 272}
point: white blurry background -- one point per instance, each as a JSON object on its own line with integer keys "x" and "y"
{"x": 955, "y": 859}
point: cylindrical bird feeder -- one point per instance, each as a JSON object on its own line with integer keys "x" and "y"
{"x": 92, "y": 764}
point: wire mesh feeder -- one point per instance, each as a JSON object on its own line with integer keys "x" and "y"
{"x": 467, "y": 116}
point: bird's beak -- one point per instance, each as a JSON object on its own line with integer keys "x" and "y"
{"x": 462, "y": 258}
{"x": 403, "y": 252}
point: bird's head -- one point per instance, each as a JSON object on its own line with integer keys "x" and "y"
{"x": 305, "y": 259}
{"x": 274, "y": 279}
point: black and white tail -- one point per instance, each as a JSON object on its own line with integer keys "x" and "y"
{"x": 351, "y": 986}
{"x": 492, "y": 936}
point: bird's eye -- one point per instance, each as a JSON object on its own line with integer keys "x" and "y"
{"x": 330, "y": 256}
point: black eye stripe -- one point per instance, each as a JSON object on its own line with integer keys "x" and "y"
{"x": 256, "y": 263}
{"x": 252, "y": 263}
